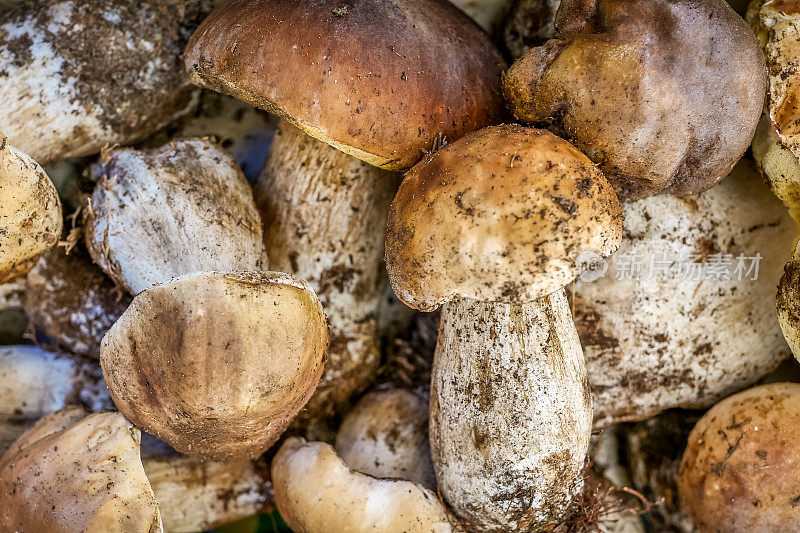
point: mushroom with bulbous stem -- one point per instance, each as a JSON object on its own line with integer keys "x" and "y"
{"x": 493, "y": 226}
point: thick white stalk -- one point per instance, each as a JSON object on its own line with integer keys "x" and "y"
{"x": 324, "y": 214}
{"x": 510, "y": 412}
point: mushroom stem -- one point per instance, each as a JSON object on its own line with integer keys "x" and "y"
{"x": 324, "y": 213}
{"x": 511, "y": 413}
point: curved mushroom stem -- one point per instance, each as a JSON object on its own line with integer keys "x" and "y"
{"x": 511, "y": 412}
{"x": 324, "y": 214}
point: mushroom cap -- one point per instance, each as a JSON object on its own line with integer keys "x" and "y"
{"x": 73, "y": 472}
{"x": 165, "y": 212}
{"x": 386, "y": 435}
{"x": 739, "y": 470}
{"x": 217, "y": 364}
{"x": 380, "y": 80}
{"x": 71, "y": 301}
{"x": 30, "y": 212}
{"x": 503, "y": 214}
{"x": 622, "y": 80}
{"x": 686, "y": 336}
{"x": 316, "y": 491}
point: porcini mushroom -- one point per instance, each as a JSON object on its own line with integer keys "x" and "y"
{"x": 217, "y": 364}
{"x": 73, "y": 472}
{"x": 79, "y": 75}
{"x": 377, "y": 80}
{"x": 386, "y": 436}
{"x": 740, "y": 468}
{"x": 35, "y": 382}
{"x": 71, "y": 301}
{"x": 683, "y": 315}
{"x": 161, "y": 213}
{"x": 315, "y": 491}
{"x": 622, "y": 80}
{"x": 30, "y": 212}
{"x": 493, "y": 226}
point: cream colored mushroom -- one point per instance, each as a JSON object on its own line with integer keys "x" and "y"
{"x": 30, "y": 212}
{"x": 34, "y": 382}
{"x": 386, "y": 436}
{"x": 73, "y": 472}
{"x": 217, "y": 364}
{"x": 79, "y": 75}
{"x": 162, "y": 213}
{"x": 493, "y": 226}
{"x": 684, "y": 314}
{"x": 316, "y": 492}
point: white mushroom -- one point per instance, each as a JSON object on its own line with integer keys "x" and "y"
{"x": 161, "y": 213}
{"x": 316, "y": 493}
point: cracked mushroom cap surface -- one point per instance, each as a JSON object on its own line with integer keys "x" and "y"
{"x": 739, "y": 470}
{"x": 315, "y": 491}
{"x": 504, "y": 214}
{"x": 380, "y": 80}
{"x": 624, "y": 81}
{"x": 77, "y": 472}
{"x": 217, "y": 364}
{"x": 30, "y": 212}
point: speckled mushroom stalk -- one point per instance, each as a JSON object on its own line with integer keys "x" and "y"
{"x": 406, "y": 76}
{"x": 492, "y": 226}
{"x": 63, "y": 97}
{"x": 30, "y": 212}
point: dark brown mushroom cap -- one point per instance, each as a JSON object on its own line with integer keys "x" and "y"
{"x": 503, "y": 214}
{"x": 664, "y": 95}
{"x": 382, "y": 80}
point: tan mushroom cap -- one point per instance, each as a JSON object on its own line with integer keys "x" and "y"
{"x": 30, "y": 212}
{"x": 380, "y": 80}
{"x": 316, "y": 493}
{"x": 73, "y": 472}
{"x": 217, "y": 364}
{"x": 502, "y": 214}
{"x": 739, "y": 472}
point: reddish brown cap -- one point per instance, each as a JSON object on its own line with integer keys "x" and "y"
{"x": 382, "y": 80}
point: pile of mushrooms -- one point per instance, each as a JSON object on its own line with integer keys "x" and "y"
{"x": 399, "y": 265}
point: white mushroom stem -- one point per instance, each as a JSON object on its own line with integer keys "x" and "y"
{"x": 511, "y": 413}
{"x": 324, "y": 214}
{"x": 196, "y": 496}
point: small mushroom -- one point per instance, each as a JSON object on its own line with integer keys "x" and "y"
{"x": 217, "y": 364}
{"x": 161, "y": 213}
{"x": 34, "y": 382}
{"x": 386, "y": 436}
{"x": 410, "y": 75}
{"x": 73, "y": 472}
{"x": 739, "y": 470}
{"x": 316, "y": 492}
{"x": 683, "y": 315}
{"x": 79, "y": 75}
{"x": 71, "y": 301}
{"x": 30, "y": 212}
{"x": 622, "y": 80}
{"x": 493, "y": 226}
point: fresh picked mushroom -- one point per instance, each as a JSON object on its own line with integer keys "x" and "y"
{"x": 493, "y": 226}
{"x": 623, "y": 81}
{"x": 217, "y": 364}
{"x": 165, "y": 212}
{"x": 684, "y": 314}
{"x": 408, "y": 75}
{"x": 30, "y": 212}
{"x": 79, "y": 75}
{"x": 35, "y": 382}
{"x": 739, "y": 472}
{"x": 315, "y": 492}
{"x": 77, "y": 472}
{"x": 69, "y": 300}
{"x": 386, "y": 436}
